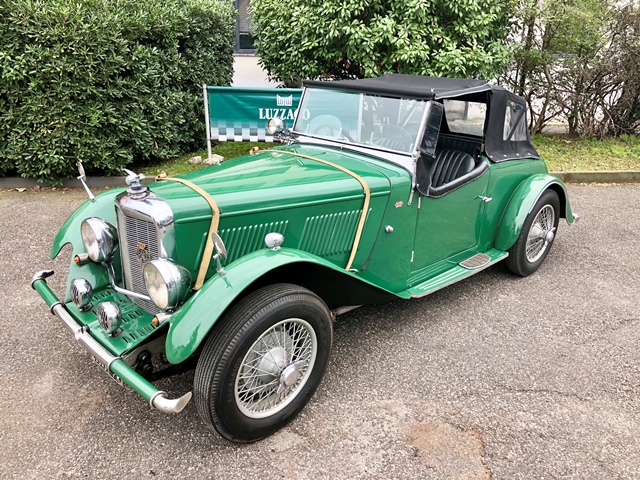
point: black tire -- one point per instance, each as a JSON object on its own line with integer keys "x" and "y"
{"x": 538, "y": 231}
{"x": 258, "y": 334}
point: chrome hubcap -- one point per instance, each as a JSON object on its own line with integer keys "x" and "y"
{"x": 290, "y": 376}
{"x": 275, "y": 368}
{"x": 271, "y": 364}
{"x": 541, "y": 233}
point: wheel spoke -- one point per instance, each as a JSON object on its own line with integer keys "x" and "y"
{"x": 256, "y": 389}
{"x": 275, "y": 367}
{"x": 537, "y": 241}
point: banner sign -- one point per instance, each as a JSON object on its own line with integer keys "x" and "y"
{"x": 238, "y": 114}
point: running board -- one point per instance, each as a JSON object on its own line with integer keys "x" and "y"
{"x": 455, "y": 274}
{"x": 476, "y": 262}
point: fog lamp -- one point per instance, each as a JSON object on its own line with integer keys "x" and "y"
{"x": 167, "y": 283}
{"x": 81, "y": 294}
{"x": 109, "y": 317}
{"x": 100, "y": 239}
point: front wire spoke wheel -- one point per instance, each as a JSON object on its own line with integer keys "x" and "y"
{"x": 284, "y": 355}
{"x": 263, "y": 361}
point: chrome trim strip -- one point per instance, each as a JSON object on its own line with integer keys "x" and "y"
{"x": 129, "y": 293}
{"x": 41, "y": 275}
{"x": 54, "y": 305}
{"x": 105, "y": 358}
{"x": 470, "y": 273}
{"x": 160, "y": 402}
{"x": 81, "y": 335}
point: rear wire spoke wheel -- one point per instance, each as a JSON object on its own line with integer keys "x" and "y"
{"x": 262, "y": 362}
{"x": 537, "y": 235}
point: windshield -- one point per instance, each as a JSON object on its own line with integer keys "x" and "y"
{"x": 358, "y": 118}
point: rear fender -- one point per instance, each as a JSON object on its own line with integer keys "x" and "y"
{"x": 521, "y": 203}
{"x": 191, "y": 324}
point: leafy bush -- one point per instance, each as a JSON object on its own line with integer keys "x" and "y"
{"x": 298, "y": 39}
{"x": 106, "y": 81}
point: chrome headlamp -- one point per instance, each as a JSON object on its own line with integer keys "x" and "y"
{"x": 100, "y": 239}
{"x": 167, "y": 283}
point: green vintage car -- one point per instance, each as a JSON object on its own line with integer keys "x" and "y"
{"x": 384, "y": 188}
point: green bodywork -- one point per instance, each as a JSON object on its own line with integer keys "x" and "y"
{"x": 523, "y": 200}
{"x": 410, "y": 245}
{"x": 69, "y": 233}
{"x": 192, "y": 322}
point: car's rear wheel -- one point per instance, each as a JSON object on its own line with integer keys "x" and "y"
{"x": 536, "y": 237}
{"x": 263, "y": 362}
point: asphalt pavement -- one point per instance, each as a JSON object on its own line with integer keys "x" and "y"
{"x": 494, "y": 377}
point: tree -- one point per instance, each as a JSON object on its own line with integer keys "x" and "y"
{"x": 300, "y": 39}
{"x": 625, "y": 111}
{"x": 579, "y": 60}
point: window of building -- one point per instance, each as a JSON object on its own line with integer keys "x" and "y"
{"x": 244, "y": 30}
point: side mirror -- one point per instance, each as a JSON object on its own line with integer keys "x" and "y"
{"x": 221, "y": 252}
{"x": 219, "y": 244}
{"x": 82, "y": 177}
{"x": 81, "y": 170}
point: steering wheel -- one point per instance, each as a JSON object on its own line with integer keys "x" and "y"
{"x": 333, "y": 132}
{"x": 327, "y": 130}
{"x": 328, "y": 126}
{"x": 394, "y": 137}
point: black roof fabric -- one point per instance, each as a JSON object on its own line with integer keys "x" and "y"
{"x": 496, "y": 146}
{"x": 408, "y": 86}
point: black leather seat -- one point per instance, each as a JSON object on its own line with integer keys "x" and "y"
{"x": 447, "y": 171}
{"x": 449, "y": 165}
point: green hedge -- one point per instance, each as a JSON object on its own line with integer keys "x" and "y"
{"x": 107, "y": 82}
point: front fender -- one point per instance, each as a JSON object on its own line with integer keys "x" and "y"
{"x": 523, "y": 200}
{"x": 102, "y": 207}
{"x": 193, "y": 321}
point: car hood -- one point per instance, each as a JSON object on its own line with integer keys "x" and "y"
{"x": 273, "y": 179}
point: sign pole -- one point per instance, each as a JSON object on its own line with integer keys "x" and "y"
{"x": 206, "y": 119}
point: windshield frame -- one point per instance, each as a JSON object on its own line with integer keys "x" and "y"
{"x": 403, "y": 158}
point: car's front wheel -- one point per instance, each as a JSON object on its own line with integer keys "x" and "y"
{"x": 263, "y": 362}
{"x": 536, "y": 237}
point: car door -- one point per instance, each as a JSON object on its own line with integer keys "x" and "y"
{"x": 449, "y": 225}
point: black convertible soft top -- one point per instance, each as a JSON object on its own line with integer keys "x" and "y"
{"x": 408, "y": 86}
{"x": 506, "y": 136}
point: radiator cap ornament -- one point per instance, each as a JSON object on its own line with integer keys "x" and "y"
{"x": 135, "y": 188}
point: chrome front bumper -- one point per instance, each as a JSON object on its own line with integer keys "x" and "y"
{"x": 112, "y": 364}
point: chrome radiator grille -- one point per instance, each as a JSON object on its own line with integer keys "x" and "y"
{"x": 138, "y": 238}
